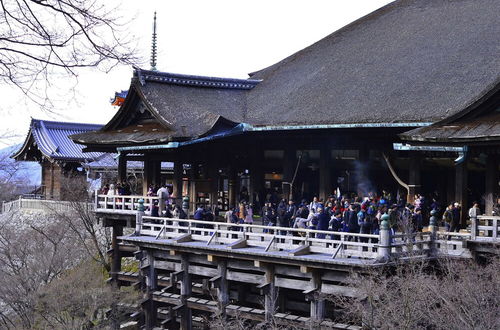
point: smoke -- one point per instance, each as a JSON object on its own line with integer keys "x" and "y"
{"x": 361, "y": 178}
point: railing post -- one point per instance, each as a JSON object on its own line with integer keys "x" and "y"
{"x": 433, "y": 227}
{"x": 495, "y": 228}
{"x": 473, "y": 227}
{"x": 96, "y": 199}
{"x": 185, "y": 205}
{"x": 138, "y": 217}
{"x": 384, "y": 249}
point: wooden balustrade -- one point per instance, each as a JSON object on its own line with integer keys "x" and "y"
{"x": 296, "y": 241}
{"x": 126, "y": 203}
{"x": 486, "y": 226}
{"x": 49, "y": 206}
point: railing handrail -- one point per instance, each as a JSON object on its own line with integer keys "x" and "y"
{"x": 243, "y": 225}
{"x": 38, "y": 204}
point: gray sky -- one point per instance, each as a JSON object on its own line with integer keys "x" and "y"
{"x": 225, "y": 38}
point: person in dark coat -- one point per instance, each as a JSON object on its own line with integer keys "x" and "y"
{"x": 268, "y": 216}
{"x": 290, "y": 213}
{"x": 351, "y": 219}
{"x": 455, "y": 222}
{"x": 280, "y": 212}
{"x": 323, "y": 221}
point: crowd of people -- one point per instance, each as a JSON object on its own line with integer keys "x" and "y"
{"x": 343, "y": 213}
{"x": 353, "y": 214}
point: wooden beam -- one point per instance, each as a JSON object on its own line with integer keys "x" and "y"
{"x": 222, "y": 287}
{"x": 186, "y": 290}
{"x": 305, "y": 269}
{"x": 317, "y": 304}
{"x": 270, "y": 293}
{"x": 300, "y": 251}
{"x": 183, "y": 238}
{"x": 241, "y": 243}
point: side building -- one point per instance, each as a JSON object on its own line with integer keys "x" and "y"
{"x": 48, "y": 143}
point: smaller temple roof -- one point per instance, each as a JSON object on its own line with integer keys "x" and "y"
{"x": 479, "y": 130}
{"x": 52, "y": 140}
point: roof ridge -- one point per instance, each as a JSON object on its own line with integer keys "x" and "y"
{"x": 66, "y": 123}
{"x": 195, "y": 80}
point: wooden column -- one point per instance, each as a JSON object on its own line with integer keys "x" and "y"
{"x": 150, "y": 307}
{"x": 317, "y": 304}
{"x": 232, "y": 186}
{"x": 461, "y": 175}
{"x": 116, "y": 259}
{"x": 270, "y": 293}
{"x": 491, "y": 184}
{"x": 222, "y": 287}
{"x": 122, "y": 167}
{"x": 414, "y": 177}
{"x": 325, "y": 184}
{"x": 289, "y": 165}
{"x": 178, "y": 171}
{"x": 213, "y": 175}
{"x": 257, "y": 176}
{"x": 186, "y": 290}
{"x": 450, "y": 188}
{"x": 147, "y": 175}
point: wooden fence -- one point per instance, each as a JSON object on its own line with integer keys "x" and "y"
{"x": 297, "y": 242}
{"x": 48, "y": 206}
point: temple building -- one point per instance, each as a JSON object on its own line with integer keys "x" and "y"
{"x": 48, "y": 143}
{"x": 404, "y": 99}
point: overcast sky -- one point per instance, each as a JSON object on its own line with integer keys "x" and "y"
{"x": 215, "y": 38}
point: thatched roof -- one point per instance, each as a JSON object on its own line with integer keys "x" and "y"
{"x": 411, "y": 62}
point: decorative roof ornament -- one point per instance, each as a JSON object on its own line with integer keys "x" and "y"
{"x": 153, "y": 46}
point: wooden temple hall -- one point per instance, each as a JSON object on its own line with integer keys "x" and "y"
{"x": 406, "y": 98}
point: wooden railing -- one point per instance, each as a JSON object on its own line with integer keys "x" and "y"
{"x": 485, "y": 226}
{"x": 39, "y": 205}
{"x": 128, "y": 204}
{"x": 329, "y": 244}
{"x": 333, "y": 244}
{"x": 124, "y": 203}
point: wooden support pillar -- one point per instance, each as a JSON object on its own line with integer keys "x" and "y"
{"x": 325, "y": 184}
{"x": 270, "y": 299}
{"x": 289, "y": 165}
{"x": 177, "y": 188}
{"x": 186, "y": 290}
{"x": 193, "y": 176}
{"x": 116, "y": 259}
{"x": 414, "y": 177}
{"x": 232, "y": 186}
{"x": 150, "y": 307}
{"x": 317, "y": 304}
{"x": 147, "y": 175}
{"x": 450, "y": 187}
{"x": 222, "y": 287}
{"x": 122, "y": 167}
{"x": 461, "y": 175}
{"x": 257, "y": 177}
{"x": 491, "y": 184}
{"x": 213, "y": 174}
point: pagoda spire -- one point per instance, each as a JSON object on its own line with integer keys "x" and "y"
{"x": 153, "y": 46}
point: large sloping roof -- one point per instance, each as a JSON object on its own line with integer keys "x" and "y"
{"x": 412, "y": 62}
{"x": 52, "y": 140}
{"x": 185, "y": 106}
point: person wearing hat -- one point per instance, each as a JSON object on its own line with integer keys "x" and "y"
{"x": 455, "y": 224}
